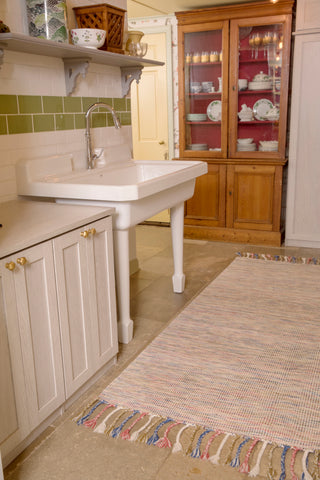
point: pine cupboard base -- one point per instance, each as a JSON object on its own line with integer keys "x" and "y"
{"x": 231, "y": 235}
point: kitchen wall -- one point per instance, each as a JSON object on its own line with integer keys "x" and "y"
{"x": 37, "y": 117}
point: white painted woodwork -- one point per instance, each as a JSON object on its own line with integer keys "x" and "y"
{"x": 303, "y": 199}
{"x": 84, "y": 269}
{"x": 52, "y": 343}
{"x": 14, "y": 423}
{"x": 308, "y": 15}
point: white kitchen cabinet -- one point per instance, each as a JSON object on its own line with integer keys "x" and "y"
{"x": 86, "y": 292}
{"x": 58, "y": 327}
{"x": 303, "y": 200}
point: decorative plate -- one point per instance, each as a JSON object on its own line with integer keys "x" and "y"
{"x": 214, "y": 110}
{"x": 261, "y": 108}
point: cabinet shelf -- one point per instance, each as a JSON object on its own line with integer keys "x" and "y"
{"x": 204, "y": 64}
{"x": 76, "y": 59}
{"x": 204, "y": 123}
{"x": 203, "y": 94}
{"x": 258, "y": 92}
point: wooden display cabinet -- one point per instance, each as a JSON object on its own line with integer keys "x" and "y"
{"x": 233, "y": 97}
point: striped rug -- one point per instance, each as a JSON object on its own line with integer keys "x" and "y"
{"x": 235, "y": 378}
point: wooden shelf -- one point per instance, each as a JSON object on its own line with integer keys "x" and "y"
{"x": 76, "y": 59}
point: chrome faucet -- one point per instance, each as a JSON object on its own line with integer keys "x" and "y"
{"x": 91, "y": 157}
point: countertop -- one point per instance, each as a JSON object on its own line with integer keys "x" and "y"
{"x": 26, "y": 222}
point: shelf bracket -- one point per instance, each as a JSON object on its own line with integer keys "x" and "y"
{"x": 72, "y": 68}
{"x": 128, "y": 74}
{"x": 1, "y": 56}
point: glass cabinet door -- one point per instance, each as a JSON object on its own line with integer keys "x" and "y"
{"x": 204, "y": 88}
{"x": 258, "y": 88}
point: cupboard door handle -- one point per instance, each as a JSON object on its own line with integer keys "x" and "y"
{"x": 84, "y": 234}
{"x": 230, "y": 193}
{"x": 93, "y": 231}
{"x": 10, "y": 266}
{"x": 22, "y": 260}
{"x": 161, "y": 142}
{"x": 234, "y": 88}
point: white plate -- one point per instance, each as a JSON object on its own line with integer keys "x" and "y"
{"x": 214, "y": 110}
{"x": 261, "y": 108}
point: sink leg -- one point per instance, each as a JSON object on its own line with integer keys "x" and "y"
{"x": 177, "y": 223}
{"x": 122, "y": 271}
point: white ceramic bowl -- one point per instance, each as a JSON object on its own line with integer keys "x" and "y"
{"x": 244, "y": 141}
{"x": 269, "y": 143}
{"x": 88, "y": 37}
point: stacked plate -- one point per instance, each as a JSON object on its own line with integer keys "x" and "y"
{"x": 196, "y": 117}
{"x": 197, "y": 146}
{"x": 246, "y": 145}
{"x": 268, "y": 146}
{"x": 260, "y": 85}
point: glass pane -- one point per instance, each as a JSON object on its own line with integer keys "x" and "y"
{"x": 259, "y": 86}
{"x": 203, "y": 87}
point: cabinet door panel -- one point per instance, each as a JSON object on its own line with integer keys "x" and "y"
{"x": 208, "y": 202}
{"x": 14, "y": 423}
{"x": 39, "y": 330}
{"x": 251, "y": 197}
{"x": 102, "y": 297}
{"x": 74, "y": 308}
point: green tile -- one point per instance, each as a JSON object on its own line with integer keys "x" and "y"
{"x": 80, "y": 121}
{"x": 119, "y": 104}
{"x": 125, "y": 118}
{"x": 128, "y": 104}
{"x": 87, "y": 102}
{"x": 30, "y": 104}
{"x": 52, "y": 104}
{"x": 64, "y": 121}
{"x": 20, "y": 123}
{"x": 98, "y": 120}
{"x": 72, "y": 104}
{"x": 108, "y": 101}
{"x": 8, "y": 104}
{"x": 43, "y": 123}
{"x": 3, "y": 125}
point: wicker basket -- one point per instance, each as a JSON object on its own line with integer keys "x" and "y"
{"x": 106, "y": 17}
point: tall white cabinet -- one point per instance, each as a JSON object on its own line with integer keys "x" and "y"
{"x": 303, "y": 197}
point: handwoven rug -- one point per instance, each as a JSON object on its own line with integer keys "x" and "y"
{"x": 235, "y": 377}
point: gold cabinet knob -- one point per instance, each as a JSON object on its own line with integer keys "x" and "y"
{"x": 22, "y": 260}
{"x": 10, "y": 266}
{"x": 84, "y": 234}
{"x": 93, "y": 231}
{"x": 161, "y": 142}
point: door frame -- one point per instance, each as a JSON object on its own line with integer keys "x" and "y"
{"x": 140, "y": 24}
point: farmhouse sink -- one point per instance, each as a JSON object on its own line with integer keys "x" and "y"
{"x": 136, "y": 189}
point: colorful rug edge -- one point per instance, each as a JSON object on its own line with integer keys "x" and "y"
{"x": 280, "y": 258}
{"x": 165, "y": 432}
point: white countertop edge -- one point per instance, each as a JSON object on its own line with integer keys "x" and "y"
{"x": 26, "y": 222}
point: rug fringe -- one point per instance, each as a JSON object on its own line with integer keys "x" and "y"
{"x": 280, "y": 258}
{"x": 241, "y": 452}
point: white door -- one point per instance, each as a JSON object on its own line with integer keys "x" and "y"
{"x": 149, "y": 109}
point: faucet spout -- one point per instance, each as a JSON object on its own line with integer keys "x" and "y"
{"x": 90, "y": 155}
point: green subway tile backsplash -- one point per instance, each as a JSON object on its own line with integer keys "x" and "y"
{"x": 3, "y": 125}
{"x": 35, "y": 113}
{"x": 8, "y": 104}
{"x": 20, "y": 123}
{"x": 29, "y": 104}
{"x": 52, "y": 104}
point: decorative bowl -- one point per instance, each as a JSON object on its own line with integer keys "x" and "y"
{"x": 88, "y": 37}
{"x": 269, "y": 143}
{"x": 244, "y": 141}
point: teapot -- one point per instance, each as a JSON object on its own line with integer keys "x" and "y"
{"x": 261, "y": 77}
{"x": 273, "y": 114}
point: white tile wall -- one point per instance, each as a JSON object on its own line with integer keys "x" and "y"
{"x": 27, "y": 74}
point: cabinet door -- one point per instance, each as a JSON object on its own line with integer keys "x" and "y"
{"x": 34, "y": 285}
{"x": 14, "y": 423}
{"x": 203, "y": 89}
{"x": 254, "y": 197}
{"x": 86, "y": 293}
{"x": 259, "y": 73}
{"x": 102, "y": 292}
{"x": 207, "y": 206}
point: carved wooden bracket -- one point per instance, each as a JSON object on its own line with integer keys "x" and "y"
{"x": 128, "y": 74}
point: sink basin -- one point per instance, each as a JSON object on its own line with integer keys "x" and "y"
{"x": 136, "y": 189}
{"x": 131, "y": 181}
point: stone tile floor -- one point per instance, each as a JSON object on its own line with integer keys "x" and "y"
{"x": 67, "y": 452}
